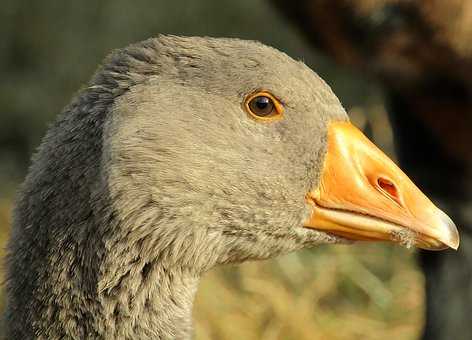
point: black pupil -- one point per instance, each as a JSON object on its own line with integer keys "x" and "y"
{"x": 262, "y": 106}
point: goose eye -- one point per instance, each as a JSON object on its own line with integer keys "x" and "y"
{"x": 262, "y": 105}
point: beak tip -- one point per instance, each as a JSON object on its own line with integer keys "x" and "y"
{"x": 451, "y": 234}
{"x": 454, "y": 244}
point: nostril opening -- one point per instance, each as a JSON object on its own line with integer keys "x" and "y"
{"x": 389, "y": 188}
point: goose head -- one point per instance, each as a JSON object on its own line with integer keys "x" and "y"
{"x": 185, "y": 153}
{"x": 236, "y": 148}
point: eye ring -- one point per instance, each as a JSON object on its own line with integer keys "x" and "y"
{"x": 263, "y": 106}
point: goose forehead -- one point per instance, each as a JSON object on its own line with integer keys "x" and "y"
{"x": 238, "y": 62}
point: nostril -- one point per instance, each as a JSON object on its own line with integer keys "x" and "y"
{"x": 389, "y": 188}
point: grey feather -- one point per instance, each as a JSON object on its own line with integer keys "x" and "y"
{"x": 153, "y": 175}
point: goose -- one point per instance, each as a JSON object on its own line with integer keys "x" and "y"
{"x": 181, "y": 154}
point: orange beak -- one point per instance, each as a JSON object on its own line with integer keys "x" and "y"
{"x": 363, "y": 195}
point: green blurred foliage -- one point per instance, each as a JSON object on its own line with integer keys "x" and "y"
{"x": 50, "y": 48}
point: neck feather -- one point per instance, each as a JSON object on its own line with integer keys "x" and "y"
{"x": 146, "y": 299}
{"x": 125, "y": 288}
{"x": 68, "y": 276}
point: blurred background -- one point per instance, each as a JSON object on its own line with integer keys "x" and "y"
{"x": 401, "y": 65}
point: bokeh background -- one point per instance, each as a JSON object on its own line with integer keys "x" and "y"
{"x": 49, "y": 49}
